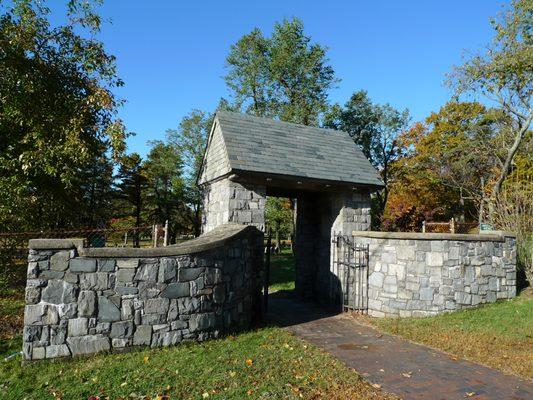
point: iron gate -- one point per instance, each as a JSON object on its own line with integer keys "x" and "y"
{"x": 350, "y": 267}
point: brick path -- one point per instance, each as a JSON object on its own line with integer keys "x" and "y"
{"x": 409, "y": 370}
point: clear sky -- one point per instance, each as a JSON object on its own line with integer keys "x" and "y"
{"x": 171, "y": 54}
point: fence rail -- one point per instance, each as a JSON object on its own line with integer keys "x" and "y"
{"x": 448, "y": 227}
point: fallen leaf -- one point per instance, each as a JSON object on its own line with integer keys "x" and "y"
{"x": 205, "y": 395}
{"x": 407, "y": 374}
{"x": 145, "y": 359}
{"x": 376, "y": 385}
{"x": 249, "y": 362}
{"x": 470, "y": 394}
{"x": 232, "y": 374}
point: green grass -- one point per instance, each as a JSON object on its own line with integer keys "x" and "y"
{"x": 499, "y": 334}
{"x": 282, "y": 272}
{"x": 267, "y": 363}
{"x": 11, "y": 316}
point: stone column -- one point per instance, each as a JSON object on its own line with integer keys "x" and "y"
{"x": 228, "y": 201}
{"x": 307, "y": 227}
{"x": 319, "y": 217}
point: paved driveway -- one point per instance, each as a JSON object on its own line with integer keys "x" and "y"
{"x": 409, "y": 370}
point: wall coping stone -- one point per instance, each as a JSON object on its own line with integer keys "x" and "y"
{"x": 212, "y": 239}
{"x": 55, "y": 244}
{"x": 490, "y": 236}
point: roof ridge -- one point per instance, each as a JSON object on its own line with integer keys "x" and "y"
{"x": 270, "y": 120}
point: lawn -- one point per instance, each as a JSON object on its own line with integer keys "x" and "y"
{"x": 282, "y": 272}
{"x": 499, "y": 335}
{"x": 11, "y": 320}
{"x": 264, "y": 363}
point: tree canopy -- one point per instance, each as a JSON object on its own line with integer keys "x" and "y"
{"x": 285, "y": 76}
{"x": 57, "y": 110}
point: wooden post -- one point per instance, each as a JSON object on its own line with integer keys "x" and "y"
{"x": 452, "y": 225}
{"x": 165, "y": 240}
{"x": 154, "y": 235}
{"x": 423, "y": 226}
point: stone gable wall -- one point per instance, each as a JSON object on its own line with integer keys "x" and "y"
{"x": 421, "y": 277}
{"x": 79, "y": 304}
{"x": 216, "y": 162}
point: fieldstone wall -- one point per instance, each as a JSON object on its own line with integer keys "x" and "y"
{"x": 228, "y": 201}
{"x": 81, "y": 301}
{"x": 414, "y": 274}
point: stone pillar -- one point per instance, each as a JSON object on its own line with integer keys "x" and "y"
{"x": 228, "y": 201}
{"x": 305, "y": 245}
{"x": 318, "y": 218}
{"x": 352, "y": 213}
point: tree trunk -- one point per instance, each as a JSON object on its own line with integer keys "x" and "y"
{"x": 506, "y": 168}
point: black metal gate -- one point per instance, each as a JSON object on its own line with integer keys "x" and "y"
{"x": 350, "y": 270}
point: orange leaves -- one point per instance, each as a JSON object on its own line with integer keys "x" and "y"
{"x": 249, "y": 362}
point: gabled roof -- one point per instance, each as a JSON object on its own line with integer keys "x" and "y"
{"x": 240, "y": 142}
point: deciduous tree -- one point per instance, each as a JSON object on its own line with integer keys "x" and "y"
{"x": 285, "y": 76}
{"x": 504, "y": 76}
{"x": 57, "y": 110}
{"x": 375, "y": 129}
{"x": 190, "y": 139}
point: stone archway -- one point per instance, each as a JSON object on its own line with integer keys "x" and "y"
{"x": 319, "y": 215}
{"x": 249, "y": 158}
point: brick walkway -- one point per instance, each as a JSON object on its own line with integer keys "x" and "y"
{"x": 409, "y": 370}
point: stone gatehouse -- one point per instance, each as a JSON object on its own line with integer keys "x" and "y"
{"x": 249, "y": 158}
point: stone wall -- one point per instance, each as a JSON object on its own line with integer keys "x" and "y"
{"x": 228, "y": 201}
{"x": 414, "y": 274}
{"x": 81, "y": 300}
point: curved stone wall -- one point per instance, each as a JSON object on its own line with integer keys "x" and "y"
{"x": 421, "y": 274}
{"x": 85, "y": 300}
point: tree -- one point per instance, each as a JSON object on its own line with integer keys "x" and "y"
{"x": 504, "y": 76}
{"x": 284, "y": 76}
{"x": 57, "y": 110}
{"x": 248, "y": 77}
{"x": 514, "y": 213}
{"x": 454, "y": 153}
{"x": 191, "y": 140}
{"x": 96, "y": 189}
{"x": 164, "y": 187}
{"x": 279, "y": 217}
{"x": 131, "y": 188}
{"x": 375, "y": 129}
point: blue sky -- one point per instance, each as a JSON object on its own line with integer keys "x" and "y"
{"x": 171, "y": 54}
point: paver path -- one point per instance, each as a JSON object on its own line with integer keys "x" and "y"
{"x": 409, "y": 370}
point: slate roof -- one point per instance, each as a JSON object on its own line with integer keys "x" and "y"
{"x": 255, "y": 144}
